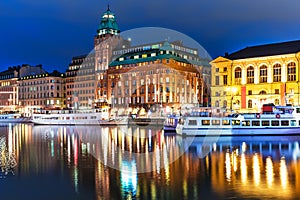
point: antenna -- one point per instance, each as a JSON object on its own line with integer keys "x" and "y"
{"x": 108, "y": 7}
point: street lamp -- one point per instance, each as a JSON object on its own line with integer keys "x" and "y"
{"x": 232, "y": 91}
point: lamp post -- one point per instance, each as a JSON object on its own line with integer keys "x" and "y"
{"x": 232, "y": 91}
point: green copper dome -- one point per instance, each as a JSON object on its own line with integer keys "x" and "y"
{"x": 108, "y": 24}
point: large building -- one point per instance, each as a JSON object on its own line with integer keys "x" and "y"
{"x": 159, "y": 78}
{"x": 245, "y": 80}
{"x": 9, "y": 100}
{"x": 80, "y": 82}
{"x": 39, "y": 89}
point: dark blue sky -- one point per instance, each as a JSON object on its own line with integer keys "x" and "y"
{"x": 52, "y": 32}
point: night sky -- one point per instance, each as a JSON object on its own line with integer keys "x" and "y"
{"x": 51, "y": 32}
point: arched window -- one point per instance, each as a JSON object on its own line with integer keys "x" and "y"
{"x": 238, "y": 76}
{"x": 277, "y": 73}
{"x": 262, "y": 92}
{"x": 263, "y": 74}
{"x": 291, "y": 71}
{"x": 217, "y": 104}
{"x": 250, "y": 74}
{"x": 249, "y": 103}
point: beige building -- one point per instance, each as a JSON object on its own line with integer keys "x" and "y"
{"x": 245, "y": 80}
{"x": 45, "y": 91}
{"x": 80, "y": 82}
{"x": 155, "y": 79}
{"x": 9, "y": 100}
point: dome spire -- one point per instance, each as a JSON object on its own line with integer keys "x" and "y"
{"x": 108, "y": 24}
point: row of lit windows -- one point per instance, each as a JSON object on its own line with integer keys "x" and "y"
{"x": 24, "y": 83}
{"x": 263, "y": 73}
{"x": 249, "y": 103}
{"x": 42, "y": 102}
{"x": 39, "y": 88}
{"x": 40, "y": 95}
{"x": 81, "y": 85}
{"x": 262, "y": 92}
{"x": 80, "y": 92}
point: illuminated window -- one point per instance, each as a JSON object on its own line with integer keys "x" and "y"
{"x": 263, "y": 74}
{"x": 291, "y": 72}
{"x": 249, "y": 103}
{"x": 277, "y": 73}
{"x": 250, "y": 74}
{"x": 225, "y": 80}
{"x": 238, "y": 75}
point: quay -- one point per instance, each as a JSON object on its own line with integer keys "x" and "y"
{"x": 153, "y": 121}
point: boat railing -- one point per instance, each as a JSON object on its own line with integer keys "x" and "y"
{"x": 98, "y": 110}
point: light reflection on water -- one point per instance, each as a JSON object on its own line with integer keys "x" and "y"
{"x": 75, "y": 163}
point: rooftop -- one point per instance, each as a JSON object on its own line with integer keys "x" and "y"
{"x": 266, "y": 50}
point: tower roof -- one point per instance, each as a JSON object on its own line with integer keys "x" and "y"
{"x": 108, "y": 24}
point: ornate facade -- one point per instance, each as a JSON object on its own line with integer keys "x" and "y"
{"x": 245, "y": 80}
{"x": 157, "y": 78}
{"x": 41, "y": 91}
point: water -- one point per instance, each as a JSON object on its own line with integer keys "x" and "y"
{"x": 93, "y": 162}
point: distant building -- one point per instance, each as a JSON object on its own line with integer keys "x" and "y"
{"x": 40, "y": 89}
{"x": 9, "y": 100}
{"x": 247, "y": 79}
{"x": 80, "y": 82}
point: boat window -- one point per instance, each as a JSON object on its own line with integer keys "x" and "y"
{"x": 255, "y": 123}
{"x": 225, "y": 122}
{"x": 215, "y": 122}
{"x": 265, "y": 123}
{"x": 275, "y": 122}
{"x": 284, "y": 122}
{"x": 293, "y": 123}
{"x": 205, "y": 122}
{"x": 192, "y": 122}
{"x": 181, "y": 121}
{"x": 236, "y": 122}
{"x": 246, "y": 123}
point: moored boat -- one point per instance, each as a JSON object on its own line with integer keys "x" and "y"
{"x": 71, "y": 117}
{"x": 281, "y": 121}
{"x": 170, "y": 123}
{"x": 13, "y": 117}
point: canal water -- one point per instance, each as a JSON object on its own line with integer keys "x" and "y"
{"x": 140, "y": 162}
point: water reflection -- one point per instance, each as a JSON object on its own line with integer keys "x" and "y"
{"x": 104, "y": 163}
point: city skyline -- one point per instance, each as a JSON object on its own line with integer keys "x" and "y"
{"x": 52, "y": 33}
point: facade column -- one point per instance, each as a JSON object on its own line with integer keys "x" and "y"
{"x": 244, "y": 75}
{"x": 283, "y": 73}
{"x": 270, "y": 74}
{"x": 256, "y": 75}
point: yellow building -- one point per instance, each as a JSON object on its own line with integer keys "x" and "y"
{"x": 245, "y": 80}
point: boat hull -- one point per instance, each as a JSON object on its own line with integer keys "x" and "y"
{"x": 238, "y": 131}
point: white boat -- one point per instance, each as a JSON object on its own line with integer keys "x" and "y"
{"x": 71, "y": 117}
{"x": 172, "y": 120}
{"x": 13, "y": 118}
{"x": 283, "y": 121}
{"x": 170, "y": 123}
